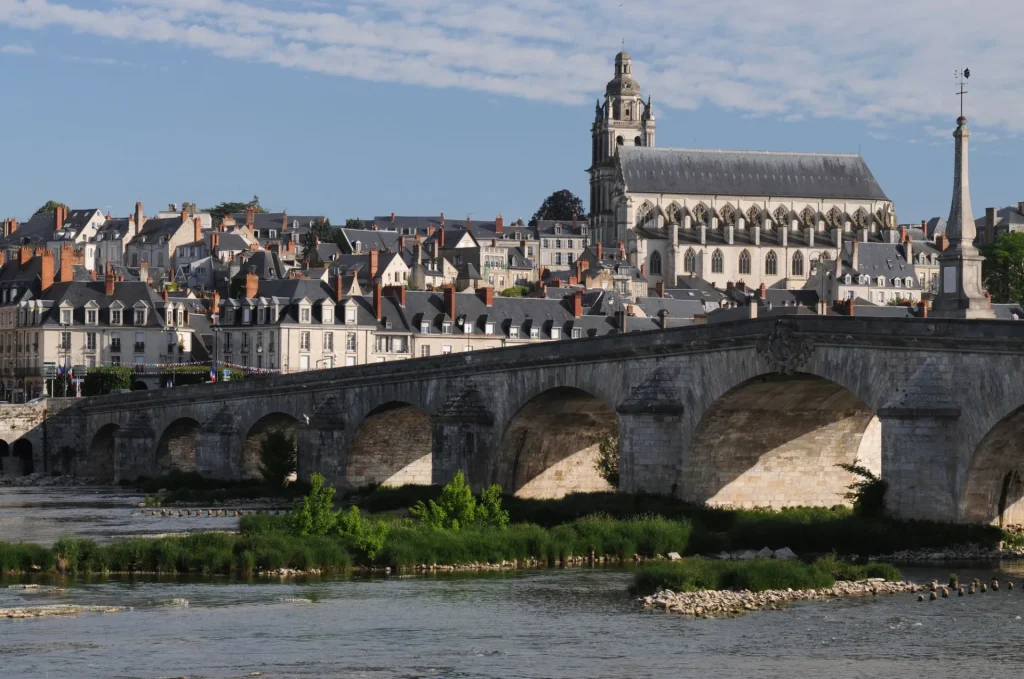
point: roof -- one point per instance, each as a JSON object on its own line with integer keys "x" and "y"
{"x": 155, "y": 229}
{"x": 35, "y": 231}
{"x": 747, "y": 173}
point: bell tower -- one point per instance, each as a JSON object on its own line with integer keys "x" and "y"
{"x": 623, "y": 120}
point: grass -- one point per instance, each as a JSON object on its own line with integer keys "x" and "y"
{"x": 756, "y": 575}
{"x": 191, "y": 487}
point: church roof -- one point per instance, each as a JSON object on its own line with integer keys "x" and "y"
{"x": 747, "y": 173}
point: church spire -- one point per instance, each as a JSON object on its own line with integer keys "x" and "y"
{"x": 961, "y": 294}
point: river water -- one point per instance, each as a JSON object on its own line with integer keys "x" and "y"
{"x": 569, "y": 623}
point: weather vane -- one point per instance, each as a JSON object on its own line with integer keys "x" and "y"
{"x": 962, "y": 76}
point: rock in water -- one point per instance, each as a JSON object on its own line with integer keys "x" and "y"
{"x": 673, "y": 556}
{"x": 934, "y": 596}
{"x": 984, "y": 588}
{"x": 960, "y": 591}
{"x": 765, "y": 553}
{"x": 920, "y": 597}
{"x": 784, "y": 553}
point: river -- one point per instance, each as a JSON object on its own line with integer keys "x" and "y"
{"x": 554, "y": 623}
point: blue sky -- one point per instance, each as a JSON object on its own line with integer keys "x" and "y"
{"x": 424, "y": 106}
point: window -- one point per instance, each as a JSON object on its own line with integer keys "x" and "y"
{"x": 245, "y": 341}
{"x": 771, "y": 264}
{"x": 446, "y": 328}
{"x": 488, "y": 328}
{"x": 328, "y": 315}
{"x": 90, "y": 316}
{"x": 350, "y": 315}
{"x": 140, "y": 317}
{"x": 65, "y": 317}
{"x": 513, "y": 332}
{"x": 65, "y": 340}
{"x": 425, "y": 326}
{"x": 261, "y": 315}
{"x": 556, "y": 333}
{"x": 848, "y": 279}
{"x": 446, "y": 349}
{"x": 350, "y": 342}
{"x": 534, "y": 332}
{"x": 140, "y": 342}
{"x": 115, "y": 342}
{"x": 229, "y": 316}
{"x": 690, "y": 261}
{"x": 270, "y": 342}
{"x": 303, "y": 362}
{"x": 115, "y": 360}
{"x": 247, "y": 316}
{"x": 227, "y": 343}
{"x": 897, "y": 283}
{"x": 545, "y": 243}
{"x": 909, "y": 282}
{"x": 392, "y": 344}
{"x": 655, "y": 264}
{"x": 424, "y": 351}
{"x": 577, "y": 333}
{"x": 328, "y": 341}
{"x": 798, "y": 263}
{"x": 717, "y": 262}
{"x": 558, "y": 242}
{"x": 259, "y": 341}
{"x": 745, "y": 262}
{"x": 304, "y": 341}
{"x": 304, "y": 315}
{"x": 90, "y": 341}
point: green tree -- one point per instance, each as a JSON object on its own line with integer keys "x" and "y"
{"x": 516, "y": 291}
{"x": 99, "y": 381}
{"x": 353, "y": 224}
{"x": 868, "y": 493}
{"x": 314, "y": 514}
{"x": 608, "y": 458}
{"x": 221, "y": 210}
{"x": 49, "y": 207}
{"x": 1003, "y": 269}
{"x": 368, "y": 537}
{"x": 457, "y": 508}
{"x": 277, "y": 457}
{"x": 560, "y": 205}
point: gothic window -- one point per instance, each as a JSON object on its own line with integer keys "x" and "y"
{"x": 672, "y": 214}
{"x": 881, "y": 217}
{"x": 781, "y": 215}
{"x": 771, "y": 264}
{"x": 655, "y": 263}
{"x": 798, "y": 263}
{"x": 808, "y": 216}
{"x": 728, "y": 214}
{"x": 700, "y": 214}
{"x": 745, "y": 262}
{"x": 717, "y": 262}
{"x": 644, "y": 214}
{"x": 690, "y": 261}
{"x": 753, "y": 215}
{"x": 637, "y": 141}
{"x": 860, "y": 218}
{"x": 834, "y": 217}
{"x": 825, "y": 256}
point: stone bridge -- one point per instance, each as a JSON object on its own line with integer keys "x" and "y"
{"x": 753, "y": 413}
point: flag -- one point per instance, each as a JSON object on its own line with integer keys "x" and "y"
{"x": 213, "y": 374}
{"x": 68, "y": 370}
{"x": 60, "y": 370}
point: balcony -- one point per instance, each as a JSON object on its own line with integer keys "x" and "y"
{"x": 140, "y": 347}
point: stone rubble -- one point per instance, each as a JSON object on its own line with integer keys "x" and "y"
{"x": 969, "y": 552}
{"x": 41, "y": 480}
{"x": 718, "y": 603}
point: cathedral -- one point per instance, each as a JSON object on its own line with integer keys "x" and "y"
{"x": 725, "y": 216}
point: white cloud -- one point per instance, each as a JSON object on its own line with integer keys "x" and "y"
{"x": 878, "y": 61}
{"x": 17, "y": 49}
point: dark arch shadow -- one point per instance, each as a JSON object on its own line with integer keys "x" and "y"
{"x": 22, "y": 450}
{"x": 550, "y": 446}
{"x": 99, "y": 458}
{"x": 391, "y": 446}
{"x": 776, "y": 440}
{"x": 270, "y": 422}
{"x": 994, "y": 485}
{"x": 176, "y": 449}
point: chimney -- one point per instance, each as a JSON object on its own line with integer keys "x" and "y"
{"x": 854, "y": 250}
{"x": 849, "y": 307}
{"x": 67, "y": 263}
{"x": 372, "y": 271}
{"x": 250, "y": 217}
{"x": 574, "y": 220}
{"x": 184, "y": 213}
{"x": 214, "y": 242}
{"x": 659, "y": 288}
{"x": 763, "y": 292}
{"x": 378, "y": 300}
{"x": 487, "y": 295}
{"x": 197, "y": 229}
{"x": 46, "y": 272}
{"x": 440, "y": 235}
{"x": 143, "y": 270}
{"x": 108, "y": 280}
{"x": 622, "y": 250}
{"x": 252, "y": 285}
{"x": 417, "y": 251}
{"x": 214, "y": 306}
{"x": 373, "y": 226}
{"x": 164, "y": 294}
{"x": 59, "y": 216}
{"x": 903, "y": 233}
{"x": 339, "y": 287}
{"x": 396, "y": 291}
{"x": 284, "y": 222}
{"x": 990, "y": 224}
{"x": 24, "y": 255}
{"x": 401, "y": 244}
{"x": 13, "y": 226}
{"x": 600, "y": 252}
{"x": 3, "y": 258}
{"x": 392, "y": 217}
{"x": 442, "y": 220}
{"x": 499, "y": 224}
{"x": 577, "y": 304}
{"x": 922, "y": 309}
{"x": 449, "y": 300}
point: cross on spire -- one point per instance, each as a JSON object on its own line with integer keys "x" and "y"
{"x": 962, "y": 76}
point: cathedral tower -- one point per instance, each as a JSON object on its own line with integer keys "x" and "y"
{"x": 623, "y": 120}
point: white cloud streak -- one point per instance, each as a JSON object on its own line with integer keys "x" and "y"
{"x": 878, "y": 61}
{"x": 23, "y": 50}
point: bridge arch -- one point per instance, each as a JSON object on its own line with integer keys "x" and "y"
{"x": 775, "y": 440}
{"x": 391, "y": 446}
{"x": 256, "y": 433}
{"x": 549, "y": 447}
{"x": 994, "y": 483}
{"x": 176, "y": 447}
{"x": 99, "y": 462}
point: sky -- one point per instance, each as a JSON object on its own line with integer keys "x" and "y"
{"x": 480, "y": 108}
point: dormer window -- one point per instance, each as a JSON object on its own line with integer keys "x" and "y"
{"x": 534, "y": 332}
{"x": 908, "y": 282}
{"x": 446, "y": 328}
{"x": 261, "y": 315}
{"x": 304, "y": 314}
{"x": 848, "y": 279}
{"x": 65, "y": 317}
{"x": 350, "y": 315}
{"x": 328, "y": 315}
{"x": 247, "y": 315}
{"x": 115, "y": 317}
{"x": 881, "y": 281}
{"x": 558, "y": 228}
{"x": 229, "y": 316}
{"x": 425, "y": 327}
{"x": 488, "y": 328}
{"x": 140, "y": 317}
{"x": 896, "y": 283}
{"x": 513, "y": 332}
{"x": 556, "y": 333}
{"x": 577, "y": 333}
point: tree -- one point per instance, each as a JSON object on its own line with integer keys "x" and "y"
{"x": 277, "y": 457}
{"x": 1003, "y": 269}
{"x": 221, "y": 210}
{"x": 561, "y": 205}
{"x": 608, "y": 458}
{"x": 353, "y": 224}
{"x": 314, "y": 514}
{"x": 99, "y": 381}
{"x": 49, "y": 207}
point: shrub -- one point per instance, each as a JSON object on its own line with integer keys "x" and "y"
{"x": 516, "y": 291}
{"x": 867, "y": 494}
{"x": 608, "y": 458}
{"x": 489, "y": 511}
{"x": 314, "y": 514}
{"x": 367, "y": 537}
{"x": 457, "y": 508}
{"x": 99, "y": 381}
{"x": 277, "y": 457}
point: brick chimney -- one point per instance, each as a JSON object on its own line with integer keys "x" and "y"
{"x": 449, "y": 301}
{"x": 499, "y": 224}
{"x": 574, "y": 220}
{"x": 67, "y": 263}
{"x": 378, "y": 301}
{"x": 396, "y": 291}
{"x": 197, "y": 228}
{"x": 372, "y": 271}
{"x": 339, "y": 287}
{"x": 401, "y": 244}
{"x": 252, "y": 285}
{"x": 46, "y": 271}
{"x": 440, "y": 234}
{"x": 60, "y": 215}
{"x": 3, "y": 258}
{"x": 659, "y": 288}
{"x": 250, "y": 217}
{"x": 144, "y": 271}
{"x": 184, "y": 212}
{"x": 12, "y": 226}
{"x": 164, "y": 294}
{"x": 284, "y": 221}
{"x": 214, "y": 242}
{"x": 140, "y": 219}
{"x": 922, "y": 309}
{"x": 24, "y": 256}
{"x": 442, "y": 220}
{"x": 990, "y": 224}
{"x": 108, "y": 281}
{"x": 763, "y": 291}
{"x": 849, "y": 306}
{"x": 600, "y": 252}
{"x": 577, "y": 304}
{"x": 487, "y": 295}
{"x": 392, "y": 217}
{"x": 622, "y": 250}
{"x": 214, "y": 306}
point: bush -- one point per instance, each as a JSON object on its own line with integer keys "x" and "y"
{"x": 516, "y": 291}
{"x": 366, "y": 537}
{"x": 457, "y": 508}
{"x": 868, "y": 494}
{"x": 277, "y": 457}
{"x": 314, "y": 514}
{"x": 608, "y": 458}
{"x": 99, "y": 381}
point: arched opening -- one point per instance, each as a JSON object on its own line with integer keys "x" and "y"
{"x": 5, "y": 448}
{"x": 257, "y": 433}
{"x": 139, "y": 385}
{"x": 22, "y": 452}
{"x": 619, "y": 140}
{"x": 798, "y": 264}
{"x": 776, "y": 440}
{"x": 771, "y": 264}
{"x": 176, "y": 450}
{"x": 391, "y": 447}
{"x": 717, "y": 262}
{"x": 744, "y": 262}
{"x": 994, "y": 487}
{"x": 99, "y": 459}
{"x": 8, "y": 465}
{"x": 551, "y": 445}
{"x": 637, "y": 141}
{"x": 690, "y": 261}
{"x": 655, "y": 264}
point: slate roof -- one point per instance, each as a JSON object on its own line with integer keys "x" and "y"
{"x": 35, "y": 231}
{"x": 747, "y": 173}
{"x": 113, "y": 229}
{"x": 161, "y": 227}
{"x": 74, "y": 223}
{"x": 879, "y": 259}
{"x": 79, "y": 293}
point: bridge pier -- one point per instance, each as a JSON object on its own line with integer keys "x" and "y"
{"x": 919, "y": 464}
{"x": 463, "y": 438}
{"x": 322, "y": 446}
{"x": 218, "y": 450}
{"x": 135, "y": 449}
